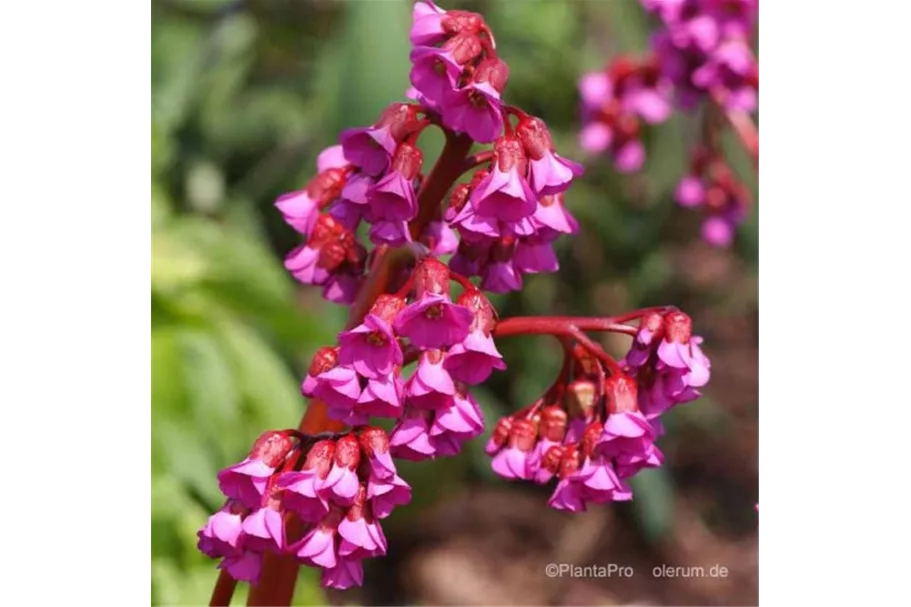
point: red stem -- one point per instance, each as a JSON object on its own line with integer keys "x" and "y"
{"x": 595, "y": 349}
{"x": 476, "y": 160}
{"x": 223, "y": 591}
{"x": 279, "y": 572}
{"x": 559, "y": 325}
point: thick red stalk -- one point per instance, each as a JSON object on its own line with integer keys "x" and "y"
{"x": 224, "y": 590}
{"x": 279, "y": 572}
{"x": 559, "y": 325}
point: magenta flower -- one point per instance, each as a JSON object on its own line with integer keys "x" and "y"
{"x": 431, "y": 386}
{"x": 600, "y": 483}
{"x": 513, "y": 462}
{"x": 221, "y": 534}
{"x": 300, "y": 495}
{"x": 317, "y": 548}
{"x": 299, "y": 210}
{"x": 679, "y": 349}
{"x": 381, "y": 397}
{"x": 427, "y": 23}
{"x": 345, "y": 574}
{"x": 434, "y": 72}
{"x": 474, "y": 109}
{"x": 504, "y": 193}
{"x": 264, "y": 529}
{"x": 339, "y": 387}
{"x": 375, "y": 447}
{"x": 629, "y": 439}
{"x": 392, "y": 233}
{"x": 303, "y": 264}
{"x": 392, "y": 197}
{"x": 369, "y": 148}
{"x": 410, "y": 437}
{"x": 452, "y": 426}
{"x": 371, "y": 348}
{"x": 243, "y": 566}
{"x": 246, "y": 481}
{"x": 343, "y": 479}
{"x": 332, "y": 157}
{"x": 433, "y": 321}
{"x": 387, "y": 493}
{"x": 548, "y": 172}
{"x": 534, "y": 258}
{"x": 474, "y": 358}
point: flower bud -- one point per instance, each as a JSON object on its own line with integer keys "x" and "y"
{"x": 456, "y": 22}
{"x": 272, "y": 448}
{"x": 407, "y": 160}
{"x": 535, "y": 137}
{"x": 523, "y": 434}
{"x": 509, "y": 155}
{"x": 319, "y": 458}
{"x": 590, "y": 437}
{"x": 553, "y": 423}
{"x": 501, "y": 431}
{"x": 326, "y": 186}
{"x": 621, "y": 391}
{"x": 552, "y": 458}
{"x": 493, "y": 71}
{"x": 459, "y": 197}
{"x": 401, "y": 118}
{"x": 678, "y": 327}
{"x": 465, "y": 47}
{"x": 325, "y": 358}
{"x": 484, "y": 314}
{"x": 431, "y": 276}
{"x": 347, "y": 452}
{"x": 580, "y": 398}
{"x": 387, "y": 306}
{"x": 570, "y": 461}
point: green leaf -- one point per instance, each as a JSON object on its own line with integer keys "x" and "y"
{"x": 653, "y": 502}
{"x": 375, "y": 61}
{"x": 264, "y": 380}
{"x": 209, "y": 380}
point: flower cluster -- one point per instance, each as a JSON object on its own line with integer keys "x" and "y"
{"x": 704, "y": 49}
{"x": 701, "y": 53}
{"x": 452, "y": 345}
{"x": 712, "y": 186}
{"x": 422, "y": 332}
{"x": 500, "y": 224}
{"x": 597, "y": 426}
{"x": 615, "y": 101}
{"x": 337, "y": 489}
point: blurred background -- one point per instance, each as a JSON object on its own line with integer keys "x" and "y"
{"x": 244, "y": 96}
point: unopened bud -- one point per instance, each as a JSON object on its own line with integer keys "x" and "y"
{"x": 590, "y": 437}
{"x": 271, "y": 447}
{"x": 484, "y": 314}
{"x": 401, "y": 118}
{"x": 459, "y": 196}
{"x": 319, "y": 458}
{"x": 325, "y": 358}
{"x": 326, "y": 186}
{"x": 580, "y": 398}
{"x": 621, "y": 392}
{"x": 553, "y": 423}
{"x": 457, "y": 21}
{"x": 431, "y": 276}
{"x": 535, "y": 137}
{"x": 509, "y": 155}
{"x": 494, "y": 71}
{"x": 387, "y": 307}
{"x": 552, "y": 458}
{"x": 570, "y": 460}
{"x": 407, "y": 160}
{"x": 373, "y": 440}
{"x": 523, "y": 435}
{"x": 678, "y": 327}
{"x": 465, "y": 47}
{"x": 347, "y": 452}
{"x": 501, "y": 431}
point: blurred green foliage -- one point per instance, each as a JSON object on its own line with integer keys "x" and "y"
{"x": 244, "y": 96}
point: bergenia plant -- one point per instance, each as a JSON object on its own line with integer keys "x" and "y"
{"x": 421, "y": 331}
{"x": 701, "y": 58}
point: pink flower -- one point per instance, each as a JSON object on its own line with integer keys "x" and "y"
{"x": 375, "y": 447}
{"x": 338, "y": 386}
{"x": 370, "y": 348}
{"x": 221, "y": 534}
{"x": 303, "y": 263}
{"x": 679, "y": 349}
{"x": 381, "y": 397}
{"x": 299, "y": 210}
{"x": 629, "y": 439}
{"x": 513, "y": 461}
{"x": 410, "y": 438}
{"x": 504, "y": 193}
{"x": 434, "y": 72}
{"x": 440, "y": 238}
{"x": 474, "y": 109}
{"x": 243, "y": 566}
{"x": 548, "y": 172}
{"x": 317, "y": 548}
{"x": 361, "y": 535}
{"x": 454, "y": 425}
{"x": 264, "y": 529}
{"x": 474, "y": 358}
{"x": 387, "y": 493}
{"x": 534, "y": 258}
{"x": 393, "y": 198}
{"x": 600, "y": 483}
{"x": 431, "y": 386}
{"x": 333, "y": 157}
{"x": 299, "y": 495}
{"x": 433, "y": 321}
{"x": 342, "y": 479}
{"x": 246, "y": 481}
{"x": 369, "y": 148}
{"x": 427, "y": 23}
{"x": 345, "y": 574}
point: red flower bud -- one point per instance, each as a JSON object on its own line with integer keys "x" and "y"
{"x": 431, "y": 276}
{"x": 347, "y": 452}
{"x": 457, "y": 21}
{"x": 465, "y": 47}
{"x": 678, "y": 327}
{"x": 580, "y": 397}
{"x": 319, "y": 458}
{"x": 621, "y": 393}
{"x": 553, "y": 423}
{"x": 493, "y": 71}
{"x": 325, "y": 358}
{"x": 570, "y": 460}
{"x": 374, "y": 440}
{"x": 401, "y": 118}
{"x": 272, "y": 447}
{"x": 485, "y": 316}
{"x": 387, "y": 306}
{"x": 523, "y": 434}
{"x": 535, "y": 137}
{"x": 459, "y": 196}
{"x": 552, "y": 458}
{"x": 590, "y": 437}
{"x": 508, "y": 154}
{"x": 501, "y": 431}
{"x": 407, "y": 160}
{"x": 326, "y": 186}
